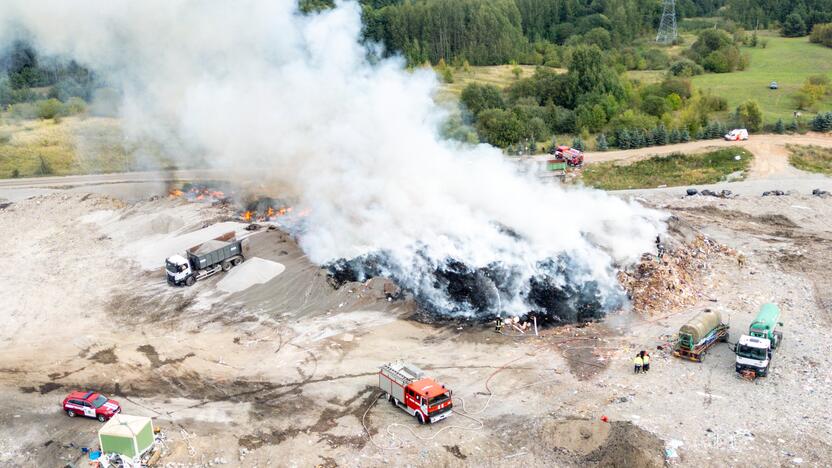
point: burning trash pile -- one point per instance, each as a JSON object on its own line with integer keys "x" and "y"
{"x": 274, "y": 210}
{"x": 201, "y": 193}
{"x": 553, "y": 291}
{"x": 661, "y": 285}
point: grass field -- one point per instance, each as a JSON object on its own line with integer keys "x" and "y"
{"x": 673, "y": 170}
{"x": 785, "y": 60}
{"x": 498, "y": 75}
{"x": 75, "y": 145}
{"x": 811, "y": 158}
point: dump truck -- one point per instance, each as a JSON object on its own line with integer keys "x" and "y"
{"x": 406, "y": 387}
{"x": 754, "y": 350}
{"x": 203, "y": 260}
{"x": 698, "y": 335}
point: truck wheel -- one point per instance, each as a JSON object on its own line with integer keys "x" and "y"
{"x": 236, "y": 261}
{"x": 70, "y": 413}
{"x": 101, "y": 418}
{"x": 189, "y": 281}
{"x": 724, "y": 338}
{"x": 226, "y": 265}
{"x": 388, "y": 396}
{"x": 420, "y": 417}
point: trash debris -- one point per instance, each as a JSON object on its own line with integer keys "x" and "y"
{"x": 672, "y": 281}
{"x": 820, "y": 193}
{"x": 720, "y": 194}
{"x": 692, "y": 191}
{"x": 774, "y": 193}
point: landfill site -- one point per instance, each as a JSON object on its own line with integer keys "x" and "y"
{"x": 272, "y": 363}
{"x": 297, "y": 265}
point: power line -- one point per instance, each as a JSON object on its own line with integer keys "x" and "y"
{"x": 667, "y": 28}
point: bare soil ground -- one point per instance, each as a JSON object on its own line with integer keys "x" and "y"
{"x": 283, "y": 373}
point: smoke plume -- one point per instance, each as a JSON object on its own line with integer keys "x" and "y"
{"x": 255, "y": 84}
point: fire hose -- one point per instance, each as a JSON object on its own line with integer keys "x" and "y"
{"x": 398, "y": 443}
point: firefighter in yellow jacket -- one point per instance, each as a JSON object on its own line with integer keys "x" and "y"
{"x": 637, "y": 363}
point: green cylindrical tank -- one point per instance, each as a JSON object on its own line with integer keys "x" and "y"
{"x": 766, "y": 321}
{"x": 700, "y": 326}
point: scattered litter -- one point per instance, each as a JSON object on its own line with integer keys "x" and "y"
{"x": 692, "y": 191}
{"x": 820, "y": 193}
{"x": 774, "y": 193}
{"x": 720, "y": 194}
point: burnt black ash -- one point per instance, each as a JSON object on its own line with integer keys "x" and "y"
{"x": 454, "y": 290}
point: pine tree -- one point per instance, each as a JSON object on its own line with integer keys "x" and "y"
{"x": 684, "y": 136}
{"x": 779, "y": 127}
{"x": 638, "y": 138}
{"x": 674, "y": 136}
{"x": 700, "y": 134}
{"x": 623, "y": 139}
{"x": 822, "y": 122}
{"x": 792, "y": 127}
{"x": 660, "y": 135}
{"x": 578, "y": 143}
{"x": 601, "y": 142}
{"x": 649, "y": 139}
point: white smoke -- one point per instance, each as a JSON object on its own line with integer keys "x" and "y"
{"x": 254, "y": 84}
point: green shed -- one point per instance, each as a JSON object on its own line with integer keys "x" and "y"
{"x": 129, "y": 436}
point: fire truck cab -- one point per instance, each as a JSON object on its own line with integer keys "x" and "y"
{"x": 406, "y": 386}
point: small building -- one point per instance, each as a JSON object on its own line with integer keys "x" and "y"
{"x": 129, "y": 436}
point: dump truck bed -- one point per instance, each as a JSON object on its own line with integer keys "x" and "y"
{"x": 214, "y": 251}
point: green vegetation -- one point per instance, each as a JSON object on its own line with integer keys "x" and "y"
{"x": 795, "y": 17}
{"x": 44, "y": 147}
{"x": 491, "y": 32}
{"x": 673, "y": 170}
{"x": 811, "y": 158}
{"x": 822, "y": 34}
{"x": 716, "y": 52}
{"x": 788, "y": 61}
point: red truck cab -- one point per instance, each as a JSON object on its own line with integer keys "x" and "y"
{"x": 91, "y": 405}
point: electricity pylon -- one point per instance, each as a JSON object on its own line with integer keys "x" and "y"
{"x": 667, "y": 28}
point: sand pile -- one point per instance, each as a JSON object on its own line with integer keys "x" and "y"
{"x": 253, "y": 271}
{"x": 666, "y": 284}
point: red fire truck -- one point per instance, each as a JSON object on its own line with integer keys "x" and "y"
{"x": 406, "y": 386}
{"x": 572, "y": 156}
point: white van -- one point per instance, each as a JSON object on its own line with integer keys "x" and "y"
{"x": 737, "y": 134}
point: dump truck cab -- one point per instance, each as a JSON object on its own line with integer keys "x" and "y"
{"x": 754, "y": 354}
{"x": 178, "y": 269}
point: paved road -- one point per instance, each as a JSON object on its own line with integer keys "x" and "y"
{"x": 115, "y": 178}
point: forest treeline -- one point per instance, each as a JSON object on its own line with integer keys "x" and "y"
{"x": 489, "y": 32}
{"x": 795, "y": 17}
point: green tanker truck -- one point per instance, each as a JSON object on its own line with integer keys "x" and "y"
{"x": 754, "y": 350}
{"x": 699, "y": 334}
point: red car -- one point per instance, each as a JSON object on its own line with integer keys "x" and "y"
{"x": 91, "y": 405}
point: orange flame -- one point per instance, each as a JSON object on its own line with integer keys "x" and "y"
{"x": 247, "y": 216}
